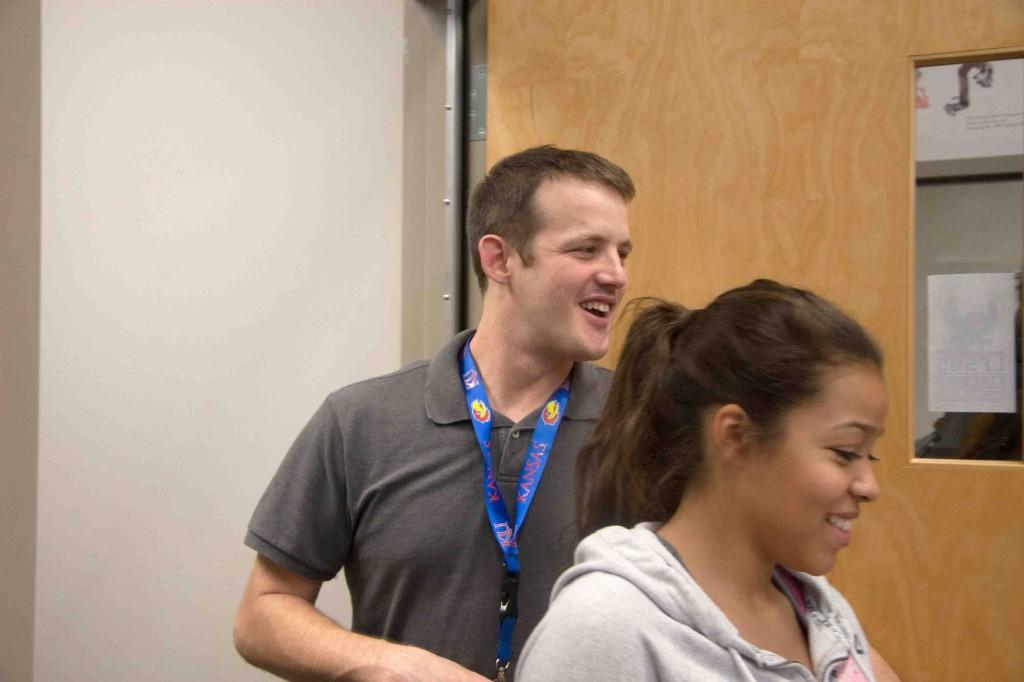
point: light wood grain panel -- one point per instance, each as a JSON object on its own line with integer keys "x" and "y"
{"x": 774, "y": 139}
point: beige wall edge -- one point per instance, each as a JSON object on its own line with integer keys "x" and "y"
{"x": 19, "y": 328}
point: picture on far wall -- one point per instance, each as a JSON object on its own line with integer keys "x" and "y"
{"x": 970, "y": 112}
{"x": 972, "y": 342}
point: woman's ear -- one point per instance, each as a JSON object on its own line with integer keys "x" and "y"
{"x": 494, "y": 257}
{"x": 729, "y": 432}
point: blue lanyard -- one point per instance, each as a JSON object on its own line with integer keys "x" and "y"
{"x": 505, "y": 532}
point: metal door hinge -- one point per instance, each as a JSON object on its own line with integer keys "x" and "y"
{"x": 476, "y": 112}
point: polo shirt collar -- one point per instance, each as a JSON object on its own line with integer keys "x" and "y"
{"x": 446, "y": 402}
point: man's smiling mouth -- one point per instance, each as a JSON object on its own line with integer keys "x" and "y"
{"x": 596, "y": 308}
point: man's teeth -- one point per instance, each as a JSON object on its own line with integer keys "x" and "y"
{"x": 597, "y": 307}
{"x": 840, "y": 523}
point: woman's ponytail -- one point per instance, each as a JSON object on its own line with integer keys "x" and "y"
{"x": 614, "y": 470}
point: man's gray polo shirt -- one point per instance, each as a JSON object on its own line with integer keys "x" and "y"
{"x": 386, "y": 481}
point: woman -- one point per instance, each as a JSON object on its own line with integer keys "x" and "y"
{"x": 741, "y": 437}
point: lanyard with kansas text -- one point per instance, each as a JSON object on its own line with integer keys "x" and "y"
{"x": 505, "y": 531}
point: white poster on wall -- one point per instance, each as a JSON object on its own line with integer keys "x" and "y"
{"x": 972, "y": 110}
{"x": 971, "y": 360}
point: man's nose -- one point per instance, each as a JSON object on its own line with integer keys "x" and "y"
{"x": 613, "y": 271}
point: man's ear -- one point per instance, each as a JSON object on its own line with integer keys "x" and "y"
{"x": 495, "y": 254}
{"x": 729, "y": 432}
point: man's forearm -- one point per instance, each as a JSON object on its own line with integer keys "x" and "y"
{"x": 289, "y": 637}
{"x": 286, "y": 635}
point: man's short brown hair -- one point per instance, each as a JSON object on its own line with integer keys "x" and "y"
{"x": 501, "y": 203}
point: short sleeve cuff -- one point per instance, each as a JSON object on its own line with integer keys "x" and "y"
{"x": 284, "y": 559}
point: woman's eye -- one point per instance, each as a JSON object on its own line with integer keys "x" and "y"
{"x": 845, "y": 454}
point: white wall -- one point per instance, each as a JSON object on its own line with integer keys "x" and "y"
{"x": 221, "y": 214}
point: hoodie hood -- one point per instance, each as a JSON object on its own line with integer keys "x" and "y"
{"x": 702, "y": 635}
{"x": 640, "y": 557}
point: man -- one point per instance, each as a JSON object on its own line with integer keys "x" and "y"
{"x": 396, "y": 479}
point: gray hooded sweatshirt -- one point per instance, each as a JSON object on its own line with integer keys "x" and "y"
{"x": 629, "y": 610}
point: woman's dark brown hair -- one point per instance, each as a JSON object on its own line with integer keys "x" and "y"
{"x": 764, "y": 347}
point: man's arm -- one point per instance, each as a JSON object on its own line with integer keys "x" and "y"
{"x": 279, "y": 629}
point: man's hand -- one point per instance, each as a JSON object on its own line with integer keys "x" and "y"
{"x": 883, "y": 671}
{"x": 410, "y": 664}
{"x": 279, "y": 629}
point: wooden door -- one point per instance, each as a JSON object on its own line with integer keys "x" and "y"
{"x": 774, "y": 139}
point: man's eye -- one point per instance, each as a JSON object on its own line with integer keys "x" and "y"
{"x": 623, "y": 255}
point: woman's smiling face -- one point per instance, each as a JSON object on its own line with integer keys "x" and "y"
{"x": 806, "y": 487}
